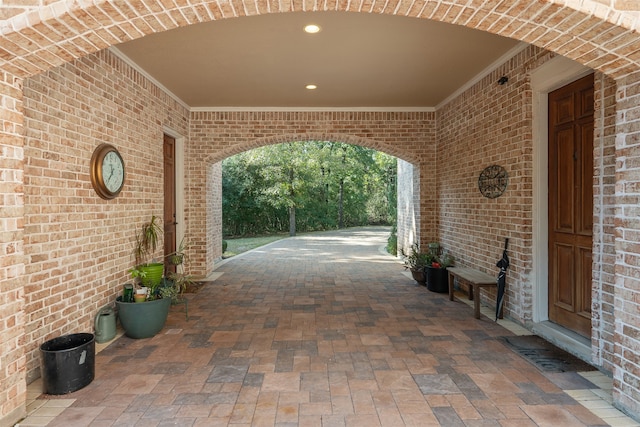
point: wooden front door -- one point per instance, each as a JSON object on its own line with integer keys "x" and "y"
{"x": 169, "y": 199}
{"x": 571, "y": 205}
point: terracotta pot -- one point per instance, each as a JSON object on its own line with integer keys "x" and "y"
{"x": 418, "y": 276}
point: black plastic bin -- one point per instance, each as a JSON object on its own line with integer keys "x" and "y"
{"x": 67, "y": 363}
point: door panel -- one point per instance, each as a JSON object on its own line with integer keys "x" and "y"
{"x": 585, "y": 203}
{"x": 564, "y": 179}
{"x": 571, "y": 205}
{"x": 563, "y": 262}
{"x": 586, "y": 274}
{"x": 169, "y": 200}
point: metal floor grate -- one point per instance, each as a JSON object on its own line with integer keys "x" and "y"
{"x": 544, "y": 355}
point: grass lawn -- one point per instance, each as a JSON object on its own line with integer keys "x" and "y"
{"x": 237, "y": 246}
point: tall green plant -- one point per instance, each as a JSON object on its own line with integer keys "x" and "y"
{"x": 147, "y": 239}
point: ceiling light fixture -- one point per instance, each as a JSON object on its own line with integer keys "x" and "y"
{"x": 311, "y": 87}
{"x": 311, "y": 29}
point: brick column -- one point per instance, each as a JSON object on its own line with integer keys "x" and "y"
{"x": 13, "y": 388}
{"x": 626, "y": 374}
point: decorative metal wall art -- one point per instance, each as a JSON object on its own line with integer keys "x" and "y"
{"x": 493, "y": 181}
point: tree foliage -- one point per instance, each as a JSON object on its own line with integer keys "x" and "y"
{"x": 307, "y": 186}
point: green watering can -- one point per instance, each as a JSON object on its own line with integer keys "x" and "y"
{"x": 105, "y": 324}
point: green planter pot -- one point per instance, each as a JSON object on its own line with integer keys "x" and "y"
{"x": 154, "y": 272}
{"x": 143, "y": 319}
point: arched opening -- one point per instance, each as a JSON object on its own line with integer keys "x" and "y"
{"x": 383, "y": 141}
{"x": 306, "y": 186}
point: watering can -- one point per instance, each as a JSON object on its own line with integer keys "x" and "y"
{"x": 105, "y": 324}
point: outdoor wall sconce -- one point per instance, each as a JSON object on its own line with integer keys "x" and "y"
{"x": 503, "y": 80}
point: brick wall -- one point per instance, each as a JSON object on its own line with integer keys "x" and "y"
{"x": 78, "y": 247}
{"x": 217, "y": 135}
{"x": 408, "y": 221}
{"x": 12, "y": 322}
{"x": 604, "y": 255}
{"x": 627, "y": 281}
{"x": 490, "y": 124}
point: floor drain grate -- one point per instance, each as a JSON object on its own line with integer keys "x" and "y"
{"x": 544, "y": 355}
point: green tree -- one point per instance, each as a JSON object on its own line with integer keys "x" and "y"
{"x": 307, "y": 186}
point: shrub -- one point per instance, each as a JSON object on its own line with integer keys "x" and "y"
{"x": 392, "y": 243}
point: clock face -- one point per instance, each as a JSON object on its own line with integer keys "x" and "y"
{"x": 113, "y": 171}
{"x": 107, "y": 171}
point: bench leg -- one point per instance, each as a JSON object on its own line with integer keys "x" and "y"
{"x": 451, "y": 285}
{"x": 476, "y": 301}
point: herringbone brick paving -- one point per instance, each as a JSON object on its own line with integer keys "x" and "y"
{"x": 321, "y": 330}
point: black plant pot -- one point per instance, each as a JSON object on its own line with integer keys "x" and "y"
{"x": 437, "y": 279}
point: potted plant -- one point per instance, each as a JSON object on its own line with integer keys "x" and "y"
{"x": 147, "y": 240}
{"x": 436, "y": 271}
{"x": 177, "y": 280}
{"x": 416, "y": 262}
{"x": 179, "y": 256}
{"x": 146, "y": 316}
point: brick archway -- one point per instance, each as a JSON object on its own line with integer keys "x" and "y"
{"x": 39, "y": 38}
{"x": 211, "y": 218}
{"x": 214, "y": 142}
{"x": 247, "y": 145}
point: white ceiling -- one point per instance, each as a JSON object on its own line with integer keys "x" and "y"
{"x": 357, "y": 60}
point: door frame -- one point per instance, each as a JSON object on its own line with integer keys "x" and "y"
{"x": 550, "y": 76}
{"x": 181, "y": 229}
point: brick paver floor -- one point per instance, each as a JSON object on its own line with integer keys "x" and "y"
{"x": 321, "y": 330}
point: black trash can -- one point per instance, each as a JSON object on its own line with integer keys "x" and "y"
{"x": 67, "y": 363}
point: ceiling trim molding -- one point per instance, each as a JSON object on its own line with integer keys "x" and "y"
{"x": 117, "y": 52}
{"x": 316, "y": 109}
{"x": 493, "y": 66}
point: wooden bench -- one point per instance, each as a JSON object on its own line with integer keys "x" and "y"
{"x": 476, "y": 280}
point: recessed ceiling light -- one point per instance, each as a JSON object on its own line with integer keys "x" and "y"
{"x": 311, "y": 87}
{"x": 312, "y": 28}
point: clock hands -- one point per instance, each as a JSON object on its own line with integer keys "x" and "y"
{"x": 111, "y": 174}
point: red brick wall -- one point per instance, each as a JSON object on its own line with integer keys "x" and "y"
{"x": 217, "y": 135}
{"x": 12, "y": 322}
{"x": 627, "y": 280}
{"x": 604, "y": 255}
{"x": 490, "y": 124}
{"x": 78, "y": 247}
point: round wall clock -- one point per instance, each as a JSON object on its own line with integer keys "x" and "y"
{"x": 493, "y": 181}
{"x": 107, "y": 171}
